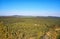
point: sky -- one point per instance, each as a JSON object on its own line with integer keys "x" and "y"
{"x": 30, "y": 7}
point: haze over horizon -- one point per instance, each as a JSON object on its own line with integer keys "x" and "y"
{"x": 30, "y": 7}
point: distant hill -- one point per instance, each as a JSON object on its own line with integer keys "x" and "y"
{"x": 21, "y": 16}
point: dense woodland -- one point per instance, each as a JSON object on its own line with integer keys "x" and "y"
{"x": 29, "y": 27}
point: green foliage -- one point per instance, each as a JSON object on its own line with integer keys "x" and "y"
{"x": 26, "y": 28}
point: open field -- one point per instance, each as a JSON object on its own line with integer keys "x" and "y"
{"x": 29, "y": 28}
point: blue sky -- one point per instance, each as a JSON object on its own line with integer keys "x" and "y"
{"x": 30, "y": 7}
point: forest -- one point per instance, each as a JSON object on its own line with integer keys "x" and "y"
{"x": 12, "y": 27}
